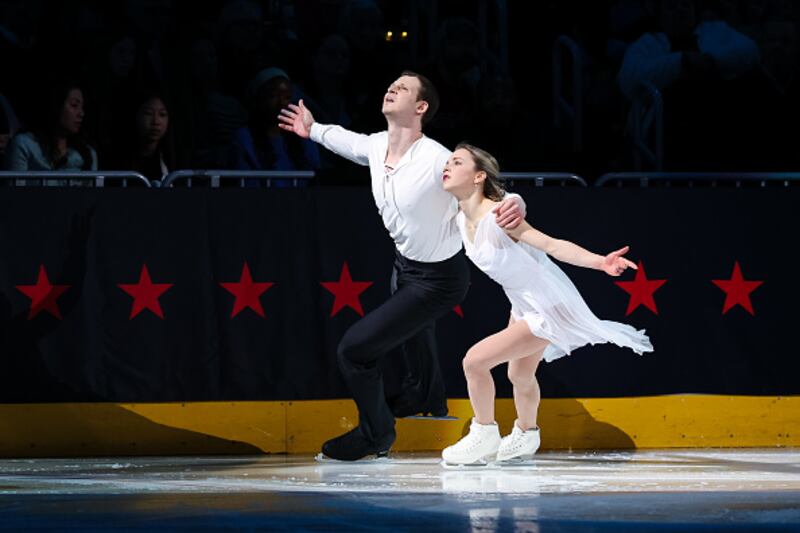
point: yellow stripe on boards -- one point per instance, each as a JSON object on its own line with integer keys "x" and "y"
{"x": 199, "y": 428}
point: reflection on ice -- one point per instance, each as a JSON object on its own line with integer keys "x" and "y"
{"x": 551, "y": 473}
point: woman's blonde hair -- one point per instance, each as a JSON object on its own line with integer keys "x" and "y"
{"x": 492, "y": 186}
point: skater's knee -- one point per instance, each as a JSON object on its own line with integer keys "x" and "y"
{"x": 347, "y": 348}
{"x": 351, "y": 348}
{"x": 475, "y": 363}
{"x": 521, "y": 379}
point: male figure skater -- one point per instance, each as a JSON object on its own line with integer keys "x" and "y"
{"x": 430, "y": 274}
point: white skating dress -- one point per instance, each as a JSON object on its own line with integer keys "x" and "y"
{"x": 541, "y": 293}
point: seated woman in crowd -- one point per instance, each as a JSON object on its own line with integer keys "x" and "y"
{"x": 143, "y": 145}
{"x": 55, "y": 142}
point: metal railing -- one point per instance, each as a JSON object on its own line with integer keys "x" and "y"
{"x": 539, "y": 179}
{"x": 647, "y": 121}
{"x": 215, "y": 177}
{"x": 710, "y": 179}
{"x": 55, "y": 178}
{"x": 563, "y": 109}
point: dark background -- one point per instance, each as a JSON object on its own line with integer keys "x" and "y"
{"x": 195, "y": 239}
{"x": 203, "y": 54}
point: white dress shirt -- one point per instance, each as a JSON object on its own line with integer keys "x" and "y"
{"x": 415, "y": 208}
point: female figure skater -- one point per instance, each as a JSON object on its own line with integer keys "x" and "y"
{"x": 549, "y": 318}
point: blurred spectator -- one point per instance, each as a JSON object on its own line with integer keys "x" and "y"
{"x": 456, "y": 73}
{"x": 55, "y": 142}
{"x": 781, "y": 61}
{"x": 9, "y": 124}
{"x": 780, "y": 54}
{"x": 361, "y": 23}
{"x": 262, "y": 145}
{"x": 112, "y": 85}
{"x": 327, "y": 91}
{"x": 214, "y": 116}
{"x": 684, "y": 49}
{"x": 503, "y": 127}
{"x": 150, "y": 22}
{"x": 20, "y": 64}
{"x": 144, "y": 148}
{"x": 243, "y": 44}
{"x": 705, "y": 70}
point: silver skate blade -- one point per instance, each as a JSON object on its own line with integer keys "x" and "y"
{"x": 516, "y": 462}
{"x": 459, "y": 466}
{"x": 380, "y": 458}
{"x": 431, "y": 417}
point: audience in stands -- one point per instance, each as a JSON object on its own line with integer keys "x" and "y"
{"x": 727, "y": 71}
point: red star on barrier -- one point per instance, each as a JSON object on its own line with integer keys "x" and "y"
{"x": 43, "y": 295}
{"x": 346, "y": 291}
{"x": 247, "y": 292}
{"x": 641, "y": 290}
{"x": 145, "y": 294}
{"x": 737, "y": 290}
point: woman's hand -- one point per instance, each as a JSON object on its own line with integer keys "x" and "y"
{"x": 614, "y": 264}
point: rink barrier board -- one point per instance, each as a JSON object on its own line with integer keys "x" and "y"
{"x": 200, "y": 428}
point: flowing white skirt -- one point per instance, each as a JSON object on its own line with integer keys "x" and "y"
{"x": 543, "y": 296}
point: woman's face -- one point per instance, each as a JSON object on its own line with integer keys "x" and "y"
{"x": 72, "y": 112}
{"x": 459, "y": 172}
{"x": 152, "y": 120}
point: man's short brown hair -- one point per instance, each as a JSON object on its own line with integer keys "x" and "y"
{"x": 427, "y": 93}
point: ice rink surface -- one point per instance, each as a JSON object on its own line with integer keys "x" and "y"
{"x": 648, "y": 490}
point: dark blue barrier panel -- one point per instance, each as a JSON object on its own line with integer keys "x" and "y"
{"x": 72, "y": 275}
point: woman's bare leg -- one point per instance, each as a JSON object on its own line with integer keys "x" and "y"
{"x": 514, "y": 342}
{"x": 522, "y": 374}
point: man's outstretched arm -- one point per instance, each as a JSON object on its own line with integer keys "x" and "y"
{"x": 299, "y": 120}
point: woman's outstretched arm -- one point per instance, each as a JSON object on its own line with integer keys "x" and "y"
{"x": 613, "y": 264}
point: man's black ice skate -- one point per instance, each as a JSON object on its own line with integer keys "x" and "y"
{"x": 353, "y": 446}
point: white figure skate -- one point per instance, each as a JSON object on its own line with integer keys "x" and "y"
{"x": 518, "y": 447}
{"x": 477, "y": 448}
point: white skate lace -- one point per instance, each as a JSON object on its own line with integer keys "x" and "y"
{"x": 513, "y": 442}
{"x": 468, "y": 443}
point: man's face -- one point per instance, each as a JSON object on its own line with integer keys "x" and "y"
{"x": 401, "y": 96}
